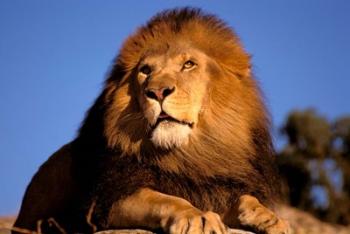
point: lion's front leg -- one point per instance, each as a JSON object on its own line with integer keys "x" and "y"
{"x": 152, "y": 210}
{"x": 252, "y": 213}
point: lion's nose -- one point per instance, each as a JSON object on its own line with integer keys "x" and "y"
{"x": 159, "y": 94}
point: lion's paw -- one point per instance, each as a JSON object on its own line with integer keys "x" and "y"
{"x": 252, "y": 213}
{"x": 193, "y": 221}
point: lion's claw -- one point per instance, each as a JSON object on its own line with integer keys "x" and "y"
{"x": 196, "y": 222}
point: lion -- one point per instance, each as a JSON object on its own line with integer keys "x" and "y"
{"x": 177, "y": 142}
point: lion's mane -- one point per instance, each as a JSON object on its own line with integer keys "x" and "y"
{"x": 230, "y": 152}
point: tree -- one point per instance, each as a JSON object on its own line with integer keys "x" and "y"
{"x": 315, "y": 164}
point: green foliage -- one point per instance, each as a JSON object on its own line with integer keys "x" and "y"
{"x": 315, "y": 163}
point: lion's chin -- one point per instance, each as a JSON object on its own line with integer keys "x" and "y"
{"x": 170, "y": 134}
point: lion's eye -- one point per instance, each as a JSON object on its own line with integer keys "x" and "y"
{"x": 188, "y": 64}
{"x": 146, "y": 70}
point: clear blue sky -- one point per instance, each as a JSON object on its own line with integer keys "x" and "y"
{"x": 54, "y": 56}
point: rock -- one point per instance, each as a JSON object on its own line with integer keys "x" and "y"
{"x": 138, "y": 231}
{"x": 302, "y": 222}
{"x": 238, "y": 231}
{"x": 125, "y": 231}
{"x": 6, "y": 224}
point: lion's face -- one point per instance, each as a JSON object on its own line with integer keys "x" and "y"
{"x": 179, "y": 81}
{"x": 172, "y": 90}
{"x": 181, "y": 96}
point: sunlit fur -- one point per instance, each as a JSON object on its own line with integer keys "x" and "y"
{"x": 230, "y": 137}
{"x": 218, "y": 149}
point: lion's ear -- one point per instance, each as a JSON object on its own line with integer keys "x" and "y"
{"x": 117, "y": 73}
{"x": 247, "y": 72}
{"x": 238, "y": 73}
{"x": 248, "y": 69}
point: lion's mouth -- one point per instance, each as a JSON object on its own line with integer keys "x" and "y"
{"x": 165, "y": 118}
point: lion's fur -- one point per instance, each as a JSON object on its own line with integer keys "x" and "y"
{"x": 235, "y": 109}
{"x": 230, "y": 152}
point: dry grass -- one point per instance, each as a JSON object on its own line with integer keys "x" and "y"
{"x": 6, "y": 226}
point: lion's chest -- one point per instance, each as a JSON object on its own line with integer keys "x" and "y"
{"x": 212, "y": 194}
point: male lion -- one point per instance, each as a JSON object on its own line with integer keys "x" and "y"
{"x": 178, "y": 141}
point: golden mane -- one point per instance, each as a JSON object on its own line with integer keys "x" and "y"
{"x": 232, "y": 138}
{"x": 225, "y": 166}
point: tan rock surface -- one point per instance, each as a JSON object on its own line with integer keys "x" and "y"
{"x": 301, "y": 223}
{"x": 231, "y": 231}
{"x": 6, "y": 223}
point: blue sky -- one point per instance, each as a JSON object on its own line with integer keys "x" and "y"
{"x": 54, "y": 56}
